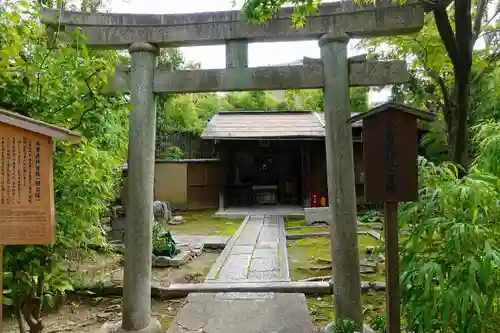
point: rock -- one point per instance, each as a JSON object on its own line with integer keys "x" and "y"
{"x": 367, "y": 263}
{"x": 197, "y": 250}
{"x": 367, "y": 270}
{"x": 367, "y": 329}
{"x": 154, "y": 327}
{"x": 177, "y": 260}
{"x": 329, "y": 328}
{"x": 119, "y": 211}
{"x": 103, "y": 315}
{"x": 162, "y": 211}
{"x": 378, "y": 286}
{"x": 181, "y": 258}
{"x": 365, "y": 286}
{"x": 162, "y": 261}
{"x": 120, "y": 248}
{"x": 177, "y": 220}
{"x": 375, "y": 234}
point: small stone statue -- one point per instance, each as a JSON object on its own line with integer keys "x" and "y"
{"x": 162, "y": 212}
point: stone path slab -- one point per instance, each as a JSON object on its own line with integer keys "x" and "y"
{"x": 257, "y": 252}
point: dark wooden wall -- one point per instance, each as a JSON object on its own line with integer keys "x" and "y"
{"x": 315, "y": 168}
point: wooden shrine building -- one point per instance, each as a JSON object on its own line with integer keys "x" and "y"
{"x": 276, "y": 158}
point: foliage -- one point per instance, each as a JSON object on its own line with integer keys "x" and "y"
{"x": 371, "y": 216}
{"x": 259, "y": 11}
{"x": 174, "y": 153}
{"x": 448, "y": 75}
{"x": 450, "y": 267}
{"x": 253, "y": 100}
{"x": 379, "y": 324}
{"x": 444, "y": 62}
{"x": 312, "y": 99}
{"x": 487, "y": 141}
{"x": 58, "y": 83}
{"x": 343, "y": 326}
{"x": 158, "y": 239}
{"x": 190, "y": 113}
{"x": 163, "y": 243}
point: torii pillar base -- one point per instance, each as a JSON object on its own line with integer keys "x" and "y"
{"x": 154, "y": 327}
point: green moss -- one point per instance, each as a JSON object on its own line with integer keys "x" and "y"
{"x": 291, "y": 222}
{"x": 373, "y": 304}
{"x": 365, "y": 241}
{"x": 297, "y": 226}
{"x": 166, "y": 322}
{"x": 310, "y": 257}
{"x": 365, "y": 228}
{"x": 205, "y": 223}
{"x": 321, "y": 309}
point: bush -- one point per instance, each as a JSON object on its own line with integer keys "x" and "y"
{"x": 59, "y": 83}
{"x": 450, "y": 267}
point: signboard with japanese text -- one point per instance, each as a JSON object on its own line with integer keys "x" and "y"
{"x": 1, "y": 288}
{"x": 26, "y": 193}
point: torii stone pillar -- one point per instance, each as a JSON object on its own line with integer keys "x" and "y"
{"x": 141, "y": 162}
{"x": 340, "y": 174}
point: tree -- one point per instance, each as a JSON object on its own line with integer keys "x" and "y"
{"x": 454, "y": 46}
{"x": 60, "y": 84}
{"x": 312, "y": 99}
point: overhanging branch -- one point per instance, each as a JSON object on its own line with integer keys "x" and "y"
{"x": 447, "y": 35}
{"x": 480, "y": 13}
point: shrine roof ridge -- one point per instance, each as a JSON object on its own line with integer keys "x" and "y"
{"x": 420, "y": 114}
{"x": 37, "y": 126}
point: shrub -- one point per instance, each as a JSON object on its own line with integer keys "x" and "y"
{"x": 450, "y": 267}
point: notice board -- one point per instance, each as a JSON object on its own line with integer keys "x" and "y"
{"x": 26, "y": 192}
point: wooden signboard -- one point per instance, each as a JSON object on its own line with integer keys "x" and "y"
{"x": 1, "y": 289}
{"x": 390, "y": 151}
{"x": 26, "y": 194}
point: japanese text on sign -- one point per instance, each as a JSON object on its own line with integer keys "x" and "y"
{"x": 26, "y": 206}
{"x": 390, "y": 157}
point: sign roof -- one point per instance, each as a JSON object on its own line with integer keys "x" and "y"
{"x": 37, "y": 126}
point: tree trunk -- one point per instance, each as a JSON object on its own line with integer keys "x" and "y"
{"x": 458, "y": 45}
{"x": 457, "y": 124}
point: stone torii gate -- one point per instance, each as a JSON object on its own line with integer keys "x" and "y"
{"x": 143, "y": 35}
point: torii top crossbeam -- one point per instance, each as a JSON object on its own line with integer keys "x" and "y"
{"x": 120, "y": 30}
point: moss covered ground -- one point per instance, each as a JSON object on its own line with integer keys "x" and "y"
{"x": 205, "y": 223}
{"x": 310, "y": 257}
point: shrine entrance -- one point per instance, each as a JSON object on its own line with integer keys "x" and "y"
{"x": 333, "y": 26}
{"x": 262, "y": 173}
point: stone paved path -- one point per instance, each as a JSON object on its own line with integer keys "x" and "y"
{"x": 256, "y": 252}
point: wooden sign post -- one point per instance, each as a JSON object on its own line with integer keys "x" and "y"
{"x": 390, "y": 151}
{"x": 27, "y": 214}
